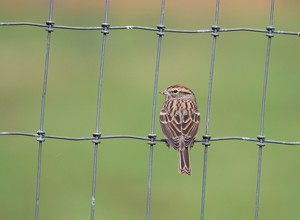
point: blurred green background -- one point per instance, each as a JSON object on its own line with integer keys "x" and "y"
{"x": 126, "y": 109}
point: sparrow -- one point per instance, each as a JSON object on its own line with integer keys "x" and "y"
{"x": 179, "y": 119}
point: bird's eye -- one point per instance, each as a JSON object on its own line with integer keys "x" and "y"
{"x": 175, "y": 91}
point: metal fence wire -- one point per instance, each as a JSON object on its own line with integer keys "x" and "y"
{"x": 151, "y": 139}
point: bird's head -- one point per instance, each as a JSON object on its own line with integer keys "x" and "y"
{"x": 177, "y": 92}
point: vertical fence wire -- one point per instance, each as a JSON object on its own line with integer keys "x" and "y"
{"x": 261, "y": 136}
{"x": 41, "y": 132}
{"x": 97, "y": 133}
{"x": 206, "y": 137}
{"x": 152, "y": 136}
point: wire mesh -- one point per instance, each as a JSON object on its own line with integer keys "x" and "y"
{"x": 151, "y": 139}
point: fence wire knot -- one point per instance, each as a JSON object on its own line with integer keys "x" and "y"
{"x": 50, "y": 25}
{"x": 105, "y": 27}
{"x": 215, "y": 30}
{"x": 160, "y": 29}
{"x": 152, "y": 138}
{"x": 270, "y": 30}
{"x": 97, "y": 136}
{"x": 206, "y": 139}
{"x": 41, "y": 137}
{"x": 261, "y": 140}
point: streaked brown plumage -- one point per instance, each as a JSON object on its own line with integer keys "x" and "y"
{"x": 179, "y": 119}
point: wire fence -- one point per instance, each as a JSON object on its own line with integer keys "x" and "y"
{"x": 151, "y": 139}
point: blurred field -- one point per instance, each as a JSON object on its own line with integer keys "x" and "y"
{"x": 126, "y": 109}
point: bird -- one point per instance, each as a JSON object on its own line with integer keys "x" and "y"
{"x": 179, "y": 119}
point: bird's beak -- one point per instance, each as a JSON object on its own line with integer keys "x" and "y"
{"x": 164, "y": 92}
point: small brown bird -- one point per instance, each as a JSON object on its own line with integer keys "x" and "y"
{"x": 179, "y": 119}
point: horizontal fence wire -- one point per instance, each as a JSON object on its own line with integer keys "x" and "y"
{"x": 151, "y": 139}
{"x": 141, "y": 138}
{"x": 132, "y": 27}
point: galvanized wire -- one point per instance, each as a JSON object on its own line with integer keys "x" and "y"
{"x": 151, "y": 139}
{"x": 261, "y": 137}
{"x": 141, "y": 138}
{"x": 144, "y": 28}
{"x": 97, "y": 133}
{"x": 207, "y": 137}
{"x": 152, "y": 136}
{"x": 41, "y": 132}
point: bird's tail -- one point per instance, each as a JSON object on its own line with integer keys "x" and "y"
{"x": 184, "y": 161}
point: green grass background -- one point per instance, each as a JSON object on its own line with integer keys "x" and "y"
{"x": 126, "y": 109}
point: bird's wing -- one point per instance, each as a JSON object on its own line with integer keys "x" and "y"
{"x": 189, "y": 126}
{"x": 171, "y": 128}
{"x": 180, "y": 129}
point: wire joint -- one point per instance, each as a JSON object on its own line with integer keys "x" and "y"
{"x": 270, "y": 30}
{"x": 41, "y": 135}
{"x": 215, "y": 30}
{"x": 105, "y": 27}
{"x": 261, "y": 140}
{"x": 206, "y": 139}
{"x": 160, "y": 29}
{"x": 152, "y": 138}
{"x": 50, "y": 26}
{"x": 97, "y": 136}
